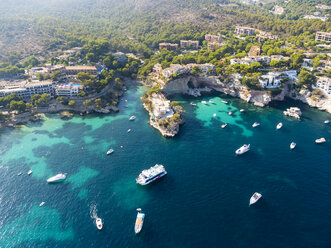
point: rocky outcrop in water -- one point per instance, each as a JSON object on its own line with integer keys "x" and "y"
{"x": 293, "y": 112}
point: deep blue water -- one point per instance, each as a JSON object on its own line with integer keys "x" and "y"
{"x": 202, "y": 202}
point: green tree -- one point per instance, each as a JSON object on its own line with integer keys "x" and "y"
{"x": 306, "y": 78}
{"x": 71, "y": 103}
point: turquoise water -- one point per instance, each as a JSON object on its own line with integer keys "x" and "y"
{"x": 202, "y": 202}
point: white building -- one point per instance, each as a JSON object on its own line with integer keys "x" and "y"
{"x": 206, "y": 69}
{"x": 307, "y": 64}
{"x": 273, "y": 79}
{"x": 26, "y": 89}
{"x": 67, "y": 89}
{"x": 250, "y": 60}
{"x": 324, "y": 84}
{"x": 161, "y": 107}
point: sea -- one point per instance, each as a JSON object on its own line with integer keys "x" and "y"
{"x": 203, "y": 201}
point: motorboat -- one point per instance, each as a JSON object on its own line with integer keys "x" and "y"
{"x": 320, "y": 141}
{"x": 223, "y": 101}
{"x": 193, "y": 104}
{"x": 29, "y": 172}
{"x": 211, "y": 101}
{"x": 121, "y": 146}
{"x": 214, "y": 114}
{"x": 204, "y": 102}
{"x": 147, "y": 176}
{"x": 58, "y": 178}
{"x": 230, "y": 113}
{"x": 255, "y": 197}
{"x": 243, "y": 149}
{"x": 279, "y": 125}
{"x": 293, "y": 145}
{"x": 20, "y": 173}
{"x": 139, "y": 221}
{"x": 132, "y": 118}
{"x": 224, "y": 125}
{"x": 255, "y": 124}
{"x": 41, "y": 204}
{"x": 129, "y": 130}
{"x": 242, "y": 110}
{"x": 326, "y": 121}
{"x": 110, "y": 151}
{"x": 99, "y": 223}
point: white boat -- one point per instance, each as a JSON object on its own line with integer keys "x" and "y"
{"x": 255, "y": 197}
{"x": 20, "y": 173}
{"x": 320, "y": 141}
{"x": 121, "y": 146}
{"x": 29, "y": 172}
{"x": 204, "y": 102}
{"x": 132, "y": 118}
{"x": 279, "y": 125}
{"x": 129, "y": 130}
{"x": 193, "y": 104}
{"x": 211, "y": 101}
{"x": 255, "y": 124}
{"x": 224, "y": 125}
{"x": 230, "y": 113}
{"x": 224, "y": 102}
{"x": 110, "y": 151}
{"x": 214, "y": 114}
{"x": 98, "y": 221}
{"x": 293, "y": 145}
{"x": 243, "y": 149}
{"x": 139, "y": 221}
{"x": 41, "y": 204}
{"x": 147, "y": 176}
{"x": 242, "y": 110}
{"x": 327, "y": 121}
{"x": 58, "y": 178}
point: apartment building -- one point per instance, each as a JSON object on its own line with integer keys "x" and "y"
{"x": 194, "y": 44}
{"x": 244, "y": 30}
{"x": 323, "y": 36}
{"x": 168, "y": 46}
{"x": 67, "y": 89}
{"x": 213, "y": 38}
{"x": 74, "y": 70}
{"x": 26, "y": 89}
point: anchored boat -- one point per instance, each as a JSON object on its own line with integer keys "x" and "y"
{"x": 147, "y": 176}
{"x": 139, "y": 221}
{"x": 132, "y": 118}
{"x": 98, "y": 221}
{"x": 110, "y": 151}
{"x": 58, "y": 178}
{"x": 243, "y": 149}
{"x": 320, "y": 141}
{"x": 255, "y": 124}
{"x": 279, "y": 125}
{"x": 293, "y": 145}
{"x": 255, "y": 197}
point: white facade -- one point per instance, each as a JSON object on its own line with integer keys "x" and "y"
{"x": 183, "y": 69}
{"x": 161, "y": 108}
{"x": 67, "y": 90}
{"x": 251, "y": 60}
{"x": 27, "y": 89}
{"x": 324, "y": 84}
{"x": 273, "y": 79}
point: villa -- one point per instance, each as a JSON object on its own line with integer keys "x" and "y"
{"x": 324, "y": 84}
{"x": 161, "y": 107}
{"x": 250, "y": 60}
{"x": 273, "y": 79}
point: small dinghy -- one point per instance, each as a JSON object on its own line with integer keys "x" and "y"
{"x": 326, "y": 121}
{"x": 110, "y": 151}
{"x": 193, "y": 104}
{"x": 41, "y": 204}
{"x": 242, "y": 110}
{"x": 204, "y": 102}
{"x": 99, "y": 224}
{"x": 139, "y": 221}
{"x": 132, "y": 118}
{"x": 230, "y": 113}
{"x": 245, "y": 148}
{"x": 256, "y": 124}
{"x": 214, "y": 115}
{"x": 20, "y": 173}
{"x": 293, "y": 145}
{"x": 320, "y": 141}
{"x": 211, "y": 101}
{"x": 255, "y": 197}
{"x": 279, "y": 126}
{"x": 129, "y": 130}
{"x": 29, "y": 172}
{"x": 224, "y": 102}
{"x": 224, "y": 125}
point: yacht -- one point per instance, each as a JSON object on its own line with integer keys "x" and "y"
{"x": 224, "y": 125}
{"x": 211, "y": 101}
{"x": 193, "y": 104}
{"x": 320, "y": 140}
{"x": 147, "y": 176}
{"x": 214, "y": 114}
{"x": 110, "y": 151}
{"x": 255, "y": 197}
{"x": 242, "y": 110}
{"x": 230, "y": 113}
{"x": 41, "y": 204}
{"x": 58, "y": 178}
{"x": 279, "y": 125}
{"x": 293, "y": 145}
{"x": 224, "y": 102}
{"x": 255, "y": 124}
{"x": 327, "y": 121}
{"x": 29, "y": 172}
{"x": 129, "y": 130}
{"x": 132, "y": 118}
{"x": 98, "y": 221}
{"x": 243, "y": 149}
{"x": 139, "y": 221}
{"x": 204, "y": 102}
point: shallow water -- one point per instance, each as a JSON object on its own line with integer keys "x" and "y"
{"x": 202, "y": 202}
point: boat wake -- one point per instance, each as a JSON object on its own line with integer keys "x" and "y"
{"x": 93, "y": 211}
